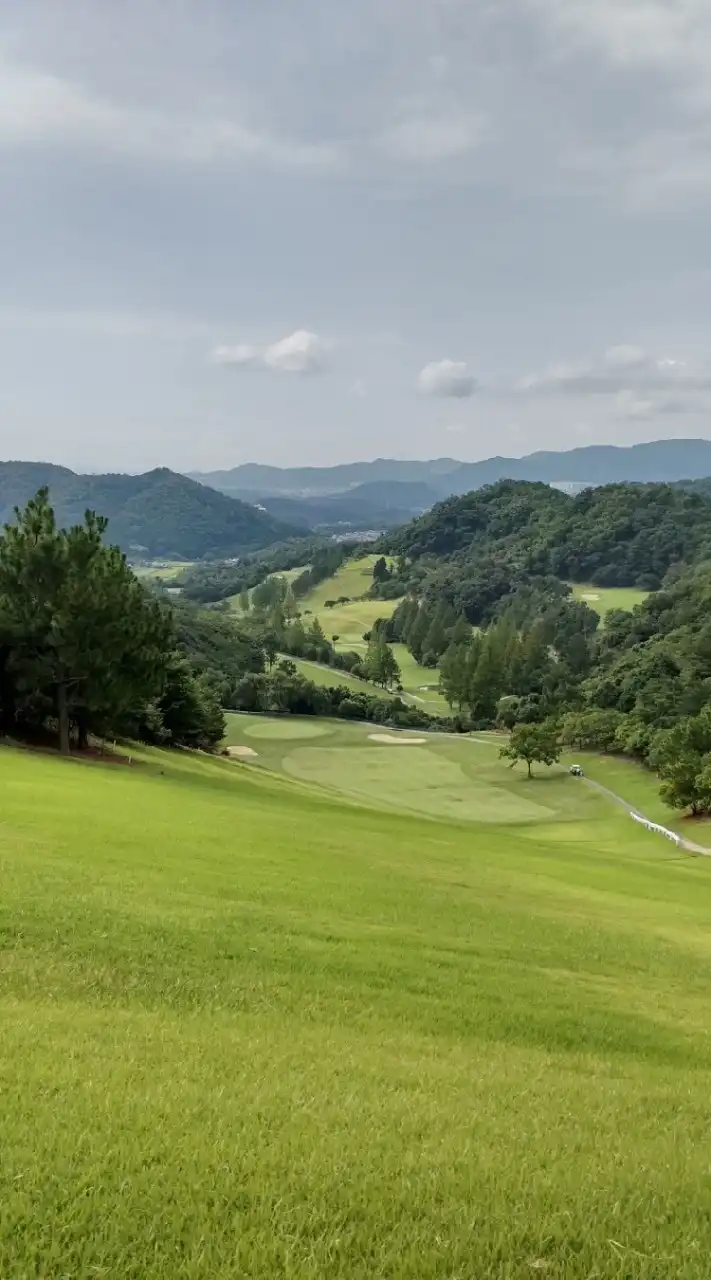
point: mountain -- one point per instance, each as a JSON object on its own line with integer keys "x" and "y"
{"x": 618, "y": 535}
{"x": 162, "y": 513}
{"x": 312, "y": 481}
{"x": 659, "y": 460}
{"x": 381, "y": 504}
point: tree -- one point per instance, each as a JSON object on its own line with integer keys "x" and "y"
{"x": 454, "y": 675}
{"x": 85, "y": 633}
{"x": 188, "y": 712}
{"x": 380, "y": 663}
{"x": 681, "y": 757}
{"x": 534, "y": 743}
{"x": 381, "y": 572}
{"x": 270, "y": 645}
{"x": 244, "y": 601}
{"x": 295, "y": 639}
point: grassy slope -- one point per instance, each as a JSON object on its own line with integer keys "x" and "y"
{"x": 640, "y": 788}
{"x": 350, "y": 621}
{"x": 603, "y": 599}
{"x": 249, "y": 1031}
{"x": 162, "y": 572}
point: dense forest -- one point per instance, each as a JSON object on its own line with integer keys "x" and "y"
{"x": 477, "y": 552}
{"x": 159, "y": 514}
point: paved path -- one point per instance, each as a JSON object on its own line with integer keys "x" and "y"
{"x": 688, "y": 845}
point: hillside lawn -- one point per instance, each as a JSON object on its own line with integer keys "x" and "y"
{"x": 162, "y": 571}
{"x": 640, "y": 788}
{"x": 350, "y": 622}
{"x": 250, "y": 1029}
{"x": 603, "y": 599}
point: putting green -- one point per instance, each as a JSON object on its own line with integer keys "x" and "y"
{"x": 424, "y": 782}
{"x": 284, "y": 728}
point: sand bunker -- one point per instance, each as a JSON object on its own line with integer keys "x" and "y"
{"x": 394, "y": 740}
{"x": 589, "y": 595}
{"x": 242, "y": 753}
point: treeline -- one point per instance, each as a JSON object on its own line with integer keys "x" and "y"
{"x": 286, "y": 691}
{"x": 208, "y": 583}
{"x": 84, "y": 648}
{"x": 471, "y": 550}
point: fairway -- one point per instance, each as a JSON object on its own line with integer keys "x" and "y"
{"x": 163, "y": 570}
{"x": 346, "y": 1009}
{"x": 604, "y": 599}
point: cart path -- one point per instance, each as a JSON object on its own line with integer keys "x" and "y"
{"x": 688, "y": 845}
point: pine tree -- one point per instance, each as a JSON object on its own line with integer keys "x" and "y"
{"x": 86, "y": 633}
{"x": 418, "y": 631}
{"x": 461, "y": 632}
{"x": 295, "y": 639}
{"x": 380, "y": 663}
{"x": 453, "y": 675}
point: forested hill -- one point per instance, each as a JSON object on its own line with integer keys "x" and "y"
{"x": 617, "y": 535}
{"x": 162, "y": 513}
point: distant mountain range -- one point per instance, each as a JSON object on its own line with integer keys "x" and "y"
{"x": 385, "y": 493}
{"x": 221, "y": 514}
{"x": 589, "y": 465}
{"x": 159, "y": 514}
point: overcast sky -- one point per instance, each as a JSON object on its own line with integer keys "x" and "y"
{"x": 309, "y": 231}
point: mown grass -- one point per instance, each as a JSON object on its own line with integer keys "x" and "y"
{"x": 163, "y": 571}
{"x": 250, "y": 1030}
{"x": 603, "y": 599}
{"x": 640, "y": 788}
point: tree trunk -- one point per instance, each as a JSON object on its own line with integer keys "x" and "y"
{"x": 528, "y": 762}
{"x": 63, "y": 717}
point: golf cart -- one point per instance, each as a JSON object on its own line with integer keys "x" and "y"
{"x": 576, "y": 771}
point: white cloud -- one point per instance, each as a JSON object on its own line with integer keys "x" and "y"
{"x": 301, "y": 352}
{"x": 446, "y": 378}
{"x": 38, "y": 109}
{"x": 243, "y": 354}
{"x": 631, "y": 407}
{"x": 425, "y": 139}
{"x": 619, "y": 369}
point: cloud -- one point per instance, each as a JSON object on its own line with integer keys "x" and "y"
{"x": 619, "y": 369}
{"x": 446, "y": 378}
{"x": 425, "y": 139}
{"x": 301, "y": 353}
{"x": 38, "y": 109}
{"x": 631, "y": 407}
{"x": 163, "y": 326}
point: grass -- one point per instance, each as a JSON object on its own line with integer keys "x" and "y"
{"x": 640, "y": 788}
{"x": 162, "y": 570}
{"x": 254, "y": 1026}
{"x": 430, "y": 700}
{"x": 603, "y": 599}
{"x": 350, "y": 622}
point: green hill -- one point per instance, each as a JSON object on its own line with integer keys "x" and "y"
{"x": 622, "y": 535}
{"x": 160, "y": 513}
{"x": 350, "y": 1009}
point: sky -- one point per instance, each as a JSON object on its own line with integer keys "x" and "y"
{"x": 307, "y": 232}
